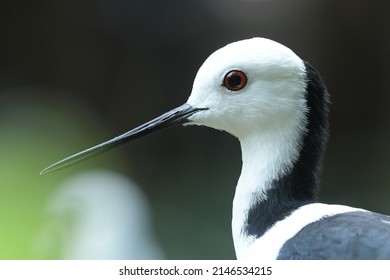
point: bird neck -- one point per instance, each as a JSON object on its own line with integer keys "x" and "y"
{"x": 281, "y": 167}
{"x": 264, "y": 193}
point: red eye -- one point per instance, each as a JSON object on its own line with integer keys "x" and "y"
{"x": 235, "y": 80}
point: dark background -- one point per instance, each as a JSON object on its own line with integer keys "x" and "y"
{"x": 75, "y": 73}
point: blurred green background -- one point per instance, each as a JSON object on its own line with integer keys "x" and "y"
{"x": 76, "y": 73}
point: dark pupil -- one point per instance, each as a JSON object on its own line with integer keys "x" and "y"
{"x": 234, "y": 80}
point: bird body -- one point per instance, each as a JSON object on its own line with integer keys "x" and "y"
{"x": 276, "y": 104}
{"x": 272, "y": 241}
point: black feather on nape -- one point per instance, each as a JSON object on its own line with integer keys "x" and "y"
{"x": 300, "y": 186}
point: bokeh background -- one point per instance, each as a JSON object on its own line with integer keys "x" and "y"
{"x": 76, "y": 73}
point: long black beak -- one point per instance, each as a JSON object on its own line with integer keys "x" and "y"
{"x": 174, "y": 117}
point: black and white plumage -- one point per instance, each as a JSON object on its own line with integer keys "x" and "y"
{"x": 276, "y": 104}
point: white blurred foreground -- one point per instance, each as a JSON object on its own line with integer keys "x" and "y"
{"x": 98, "y": 215}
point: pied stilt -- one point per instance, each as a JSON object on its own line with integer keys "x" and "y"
{"x": 276, "y": 104}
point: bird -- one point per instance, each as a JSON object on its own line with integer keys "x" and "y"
{"x": 277, "y": 105}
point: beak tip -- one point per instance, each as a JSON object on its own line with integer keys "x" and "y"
{"x": 43, "y": 172}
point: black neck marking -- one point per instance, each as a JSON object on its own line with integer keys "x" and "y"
{"x": 300, "y": 186}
